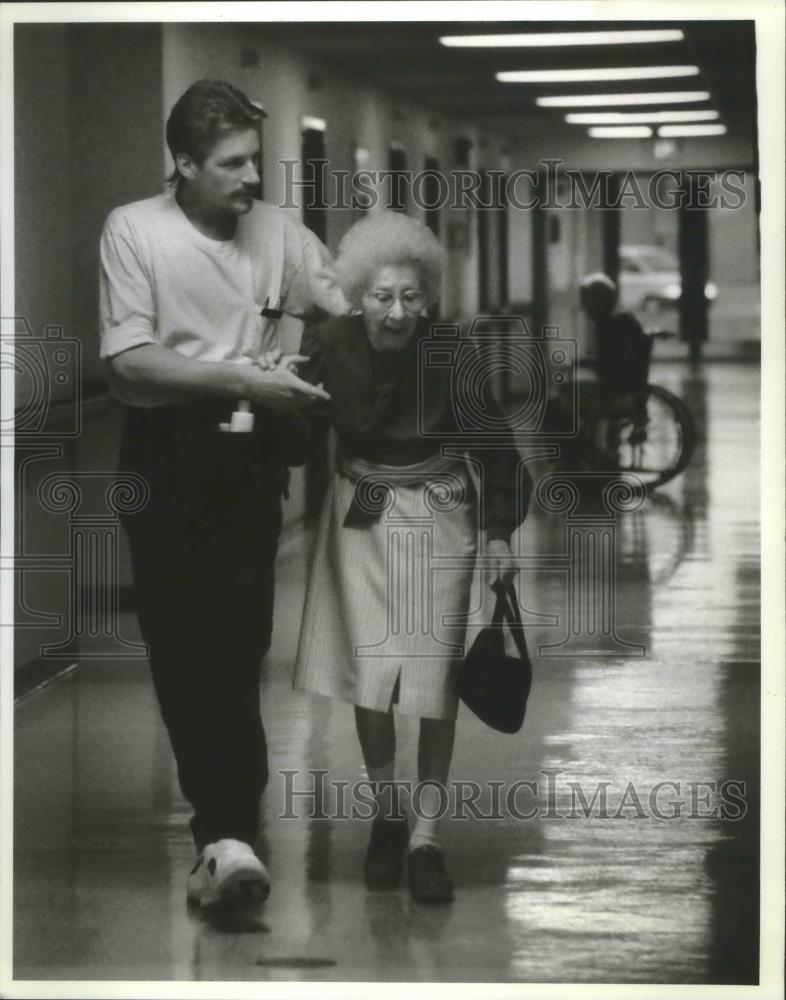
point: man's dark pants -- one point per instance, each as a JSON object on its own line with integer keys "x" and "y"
{"x": 203, "y": 552}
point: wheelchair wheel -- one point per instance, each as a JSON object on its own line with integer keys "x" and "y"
{"x": 653, "y": 438}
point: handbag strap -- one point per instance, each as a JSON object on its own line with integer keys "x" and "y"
{"x": 508, "y": 608}
{"x": 501, "y": 613}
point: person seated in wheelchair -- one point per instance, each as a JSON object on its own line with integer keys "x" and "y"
{"x": 619, "y": 390}
{"x": 623, "y": 348}
{"x": 625, "y": 425}
{"x": 622, "y": 367}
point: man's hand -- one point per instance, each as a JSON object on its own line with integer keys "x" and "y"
{"x": 161, "y": 369}
{"x": 504, "y": 561}
{"x": 280, "y": 389}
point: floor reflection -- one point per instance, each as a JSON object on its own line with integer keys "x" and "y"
{"x": 659, "y": 886}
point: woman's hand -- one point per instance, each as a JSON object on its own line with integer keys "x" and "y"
{"x": 504, "y": 561}
{"x": 271, "y": 360}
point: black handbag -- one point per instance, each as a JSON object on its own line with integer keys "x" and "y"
{"x": 492, "y": 684}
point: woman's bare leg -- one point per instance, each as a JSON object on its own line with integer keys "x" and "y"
{"x": 384, "y": 861}
{"x": 435, "y": 751}
{"x": 377, "y": 735}
{"x": 429, "y": 882}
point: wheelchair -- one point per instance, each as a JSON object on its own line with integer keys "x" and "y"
{"x": 648, "y": 432}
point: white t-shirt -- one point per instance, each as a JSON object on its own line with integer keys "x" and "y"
{"x": 164, "y": 282}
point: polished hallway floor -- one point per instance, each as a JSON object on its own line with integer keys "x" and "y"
{"x": 661, "y": 715}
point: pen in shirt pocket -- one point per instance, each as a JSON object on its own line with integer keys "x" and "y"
{"x": 271, "y": 312}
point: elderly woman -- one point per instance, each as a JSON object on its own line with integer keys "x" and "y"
{"x": 383, "y": 624}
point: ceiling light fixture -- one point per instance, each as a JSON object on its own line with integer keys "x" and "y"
{"x": 675, "y": 131}
{"x": 623, "y": 132}
{"x": 606, "y": 100}
{"x": 596, "y": 75}
{"x": 563, "y": 38}
{"x": 637, "y": 117}
{"x": 315, "y": 124}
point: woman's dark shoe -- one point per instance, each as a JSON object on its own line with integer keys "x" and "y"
{"x": 385, "y": 855}
{"x": 428, "y": 880}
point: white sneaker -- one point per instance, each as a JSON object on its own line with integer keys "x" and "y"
{"x": 227, "y": 875}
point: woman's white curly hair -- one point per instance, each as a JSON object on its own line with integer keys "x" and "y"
{"x": 388, "y": 238}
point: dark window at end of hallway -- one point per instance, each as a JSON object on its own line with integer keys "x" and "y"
{"x": 612, "y": 227}
{"x": 397, "y": 165}
{"x": 503, "y": 238}
{"x": 430, "y": 194}
{"x": 313, "y": 157}
{"x": 461, "y": 151}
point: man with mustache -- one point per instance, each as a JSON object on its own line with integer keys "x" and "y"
{"x": 193, "y": 284}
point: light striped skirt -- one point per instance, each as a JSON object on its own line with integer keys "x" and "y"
{"x": 386, "y": 604}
